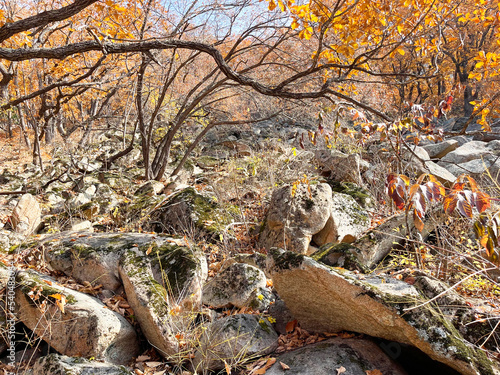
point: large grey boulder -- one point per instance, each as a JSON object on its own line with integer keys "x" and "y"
{"x": 439, "y": 150}
{"x": 164, "y": 290}
{"x": 239, "y": 285}
{"x": 162, "y": 276}
{"x": 467, "y": 152}
{"x": 234, "y": 340}
{"x": 26, "y": 216}
{"x": 86, "y": 328}
{"x": 55, "y": 364}
{"x": 346, "y": 223}
{"x": 292, "y": 221}
{"x": 324, "y": 299}
{"x": 92, "y": 257}
{"x": 371, "y": 248}
{"x": 339, "y": 166}
{"x": 355, "y": 356}
{"x": 189, "y": 211}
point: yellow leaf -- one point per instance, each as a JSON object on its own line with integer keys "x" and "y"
{"x": 60, "y": 301}
{"x": 401, "y": 51}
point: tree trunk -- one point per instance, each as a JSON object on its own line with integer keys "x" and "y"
{"x": 22, "y": 124}
{"x": 469, "y": 96}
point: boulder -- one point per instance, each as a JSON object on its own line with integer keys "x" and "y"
{"x": 439, "y": 150}
{"x": 361, "y": 195}
{"x": 86, "y": 328}
{"x": 94, "y": 257}
{"x": 163, "y": 287}
{"x": 91, "y": 257}
{"x": 55, "y": 364}
{"x": 477, "y": 168}
{"x": 346, "y": 223}
{"x": 233, "y": 340}
{"x": 356, "y": 356}
{"x": 292, "y": 220}
{"x": 467, "y": 152}
{"x": 9, "y": 240}
{"x": 26, "y": 216}
{"x": 367, "y": 251}
{"x": 442, "y": 174}
{"x": 339, "y": 166}
{"x": 82, "y": 198}
{"x": 324, "y": 299}
{"x": 189, "y": 211}
{"x": 239, "y": 285}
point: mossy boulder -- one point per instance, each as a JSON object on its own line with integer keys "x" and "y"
{"x": 190, "y": 212}
{"x": 346, "y": 223}
{"x": 361, "y": 195}
{"x": 324, "y": 299}
{"x": 163, "y": 286}
{"x": 239, "y": 285}
{"x": 295, "y": 215}
{"x": 94, "y": 257}
{"x": 343, "y": 255}
{"x": 234, "y": 340}
{"x": 86, "y": 328}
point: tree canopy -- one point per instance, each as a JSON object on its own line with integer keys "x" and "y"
{"x": 200, "y": 62}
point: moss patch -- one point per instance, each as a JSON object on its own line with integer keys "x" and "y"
{"x": 29, "y": 282}
{"x": 287, "y": 260}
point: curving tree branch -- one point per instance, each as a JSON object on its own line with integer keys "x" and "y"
{"x": 43, "y": 18}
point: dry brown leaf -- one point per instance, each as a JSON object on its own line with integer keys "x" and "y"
{"x": 290, "y": 326}
{"x": 374, "y": 372}
{"x": 227, "y": 367}
{"x": 284, "y": 366}
{"x": 142, "y": 358}
{"x": 341, "y": 370}
{"x": 153, "y": 364}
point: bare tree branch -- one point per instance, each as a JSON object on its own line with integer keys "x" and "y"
{"x": 44, "y": 18}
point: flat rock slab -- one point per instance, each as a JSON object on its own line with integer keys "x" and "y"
{"x": 355, "y": 356}
{"x": 324, "y": 299}
{"x": 86, "y": 328}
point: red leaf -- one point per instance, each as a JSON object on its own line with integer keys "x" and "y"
{"x": 450, "y": 203}
{"x": 481, "y": 201}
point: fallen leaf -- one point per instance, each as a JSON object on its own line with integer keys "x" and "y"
{"x": 341, "y": 370}
{"x": 60, "y": 301}
{"x": 290, "y": 326}
{"x": 142, "y": 358}
{"x": 284, "y": 366}
{"x": 374, "y": 372}
{"x": 153, "y": 364}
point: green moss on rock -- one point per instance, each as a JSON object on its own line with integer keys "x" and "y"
{"x": 286, "y": 260}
